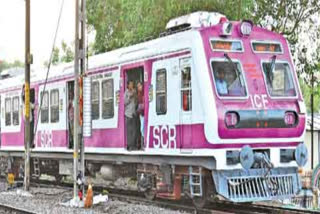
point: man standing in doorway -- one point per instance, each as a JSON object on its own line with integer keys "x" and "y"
{"x": 130, "y": 103}
{"x": 140, "y": 112}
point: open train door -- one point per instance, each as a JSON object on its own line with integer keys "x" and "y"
{"x": 186, "y": 105}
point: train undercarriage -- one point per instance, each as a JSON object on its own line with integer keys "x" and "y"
{"x": 184, "y": 177}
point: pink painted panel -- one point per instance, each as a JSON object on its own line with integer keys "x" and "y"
{"x": 163, "y": 138}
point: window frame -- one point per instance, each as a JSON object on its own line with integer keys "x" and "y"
{"x": 42, "y": 94}
{"x": 225, "y": 40}
{"x": 18, "y": 111}
{"x": 58, "y": 119}
{"x": 102, "y": 101}
{"x": 189, "y": 88}
{"x": 166, "y": 90}
{"x": 5, "y": 111}
{"x": 266, "y": 42}
{"x": 98, "y": 82}
{"x": 293, "y": 79}
{"x": 219, "y": 59}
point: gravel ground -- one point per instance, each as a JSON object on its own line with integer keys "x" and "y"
{"x": 47, "y": 200}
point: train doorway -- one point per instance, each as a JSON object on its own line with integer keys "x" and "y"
{"x": 70, "y": 112}
{"x": 134, "y": 108}
{"x": 32, "y": 116}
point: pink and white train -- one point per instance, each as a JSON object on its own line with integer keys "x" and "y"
{"x": 224, "y": 114}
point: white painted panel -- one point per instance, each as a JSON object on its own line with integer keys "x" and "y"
{"x": 87, "y": 122}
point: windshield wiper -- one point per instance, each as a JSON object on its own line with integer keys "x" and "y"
{"x": 273, "y": 62}
{"x": 271, "y": 68}
{"x": 235, "y": 68}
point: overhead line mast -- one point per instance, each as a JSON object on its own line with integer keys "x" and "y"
{"x": 79, "y": 64}
{"x": 27, "y": 136}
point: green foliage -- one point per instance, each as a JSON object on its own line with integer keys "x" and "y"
{"x": 285, "y": 16}
{"x": 55, "y": 56}
{"x": 306, "y": 92}
{"x": 67, "y": 54}
{"x": 5, "y": 65}
{"x": 120, "y": 23}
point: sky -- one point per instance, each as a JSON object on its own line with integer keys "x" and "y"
{"x": 44, "y": 18}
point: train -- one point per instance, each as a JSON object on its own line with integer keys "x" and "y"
{"x": 223, "y": 114}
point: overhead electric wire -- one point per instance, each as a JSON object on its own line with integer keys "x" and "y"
{"x": 48, "y": 69}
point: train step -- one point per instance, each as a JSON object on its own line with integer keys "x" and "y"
{"x": 195, "y": 181}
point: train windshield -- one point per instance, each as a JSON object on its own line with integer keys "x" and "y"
{"x": 228, "y": 78}
{"x": 279, "y": 79}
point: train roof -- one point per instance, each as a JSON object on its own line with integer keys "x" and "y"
{"x": 159, "y": 46}
{"x": 180, "y": 33}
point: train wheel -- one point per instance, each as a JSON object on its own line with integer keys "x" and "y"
{"x": 150, "y": 194}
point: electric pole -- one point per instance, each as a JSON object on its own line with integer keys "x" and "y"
{"x": 28, "y": 61}
{"x": 79, "y": 64}
{"x": 312, "y": 116}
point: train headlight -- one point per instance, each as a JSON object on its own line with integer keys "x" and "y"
{"x": 231, "y": 119}
{"x": 301, "y": 154}
{"x": 290, "y": 118}
{"x": 226, "y": 29}
{"x": 246, "y": 28}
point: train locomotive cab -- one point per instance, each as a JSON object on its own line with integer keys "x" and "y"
{"x": 255, "y": 112}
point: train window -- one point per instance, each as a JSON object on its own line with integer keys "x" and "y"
{"x": 8, "y": 111}
{"x": 54, "y": 105}
{"x": 266, "y": 47}
{"x": 279, "y": 79}
{"x": 95, "y": 93}
{"x": 228, "y": 78}
{"x": 161, "y": 91}
{"x": 107, "y": 99}
{"x": 15, "y": 111}
{"x": 45, "y": 107}
{"x": 186, "y": 93}
{"x": 226, "y": 45}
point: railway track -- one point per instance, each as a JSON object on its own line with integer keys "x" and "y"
{"x": 187, "y": 205}
{"x": 4, "y": 208}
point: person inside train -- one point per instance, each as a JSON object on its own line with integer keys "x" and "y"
{"x": 130, "y": 102}
{"x": 140, "y": 111}
{"x": 235, "y": 87}
{"x": 221, "y": 83}
{"x": 70, "y": 118}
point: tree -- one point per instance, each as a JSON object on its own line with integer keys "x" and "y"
{"x": 67, "y": 53}
{"x": 120, "y": 23}
{"x": 284, "y": 16}
{"x": 55, "y": 56}
{"x": 5, "y": 65}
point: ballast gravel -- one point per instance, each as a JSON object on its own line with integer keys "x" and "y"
{"x": 48, "y": 201}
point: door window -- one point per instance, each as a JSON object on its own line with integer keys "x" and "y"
{"x": 161, "y": 91}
